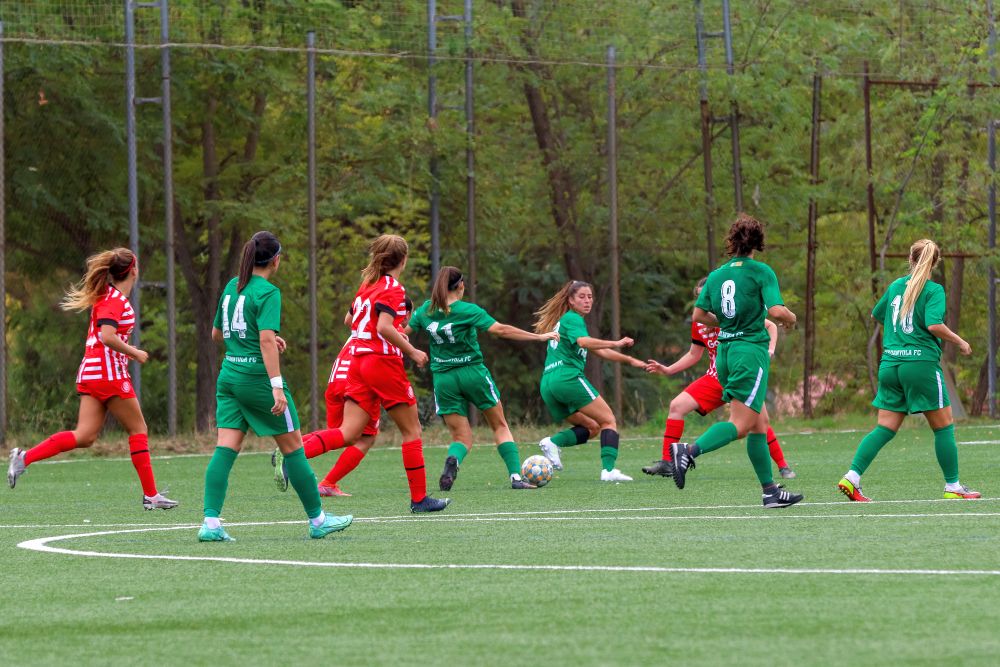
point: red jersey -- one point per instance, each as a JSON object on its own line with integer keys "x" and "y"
{"x": 342, "y": 364}
{"x": 101, "y": 362}
{"x": 707, "y": 337}
{"x": 386, "y": 295}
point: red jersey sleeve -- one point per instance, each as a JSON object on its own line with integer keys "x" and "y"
{"x": 391, "y": 300}
{"x": 696, "y": 334}
{"x": 108, "y": 310}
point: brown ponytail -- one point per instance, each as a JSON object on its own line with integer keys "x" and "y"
{"x": 548, "y": 315}
{"x": 924, "y": 256}
{"x": 260, "y": 250}
{"x": 384, "y": 254}
{"x": 448, "y": 279}
{"x": 102, "y": 269}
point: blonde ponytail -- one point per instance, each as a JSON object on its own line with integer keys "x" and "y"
{"x": 548, "y": 315}
{"x": 924, "y": 256}
{"x": 102, "y": 269}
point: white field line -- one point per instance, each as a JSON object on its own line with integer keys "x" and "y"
{"x": 532, "y": 513}
{"x": 979, "y": 442}
{"x": 42, "y": 545}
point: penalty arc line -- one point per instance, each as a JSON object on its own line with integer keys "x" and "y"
{"x": 42, "y": 545}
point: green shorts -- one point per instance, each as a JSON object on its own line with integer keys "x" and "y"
{"x": 743, "y": 369}
{"x": 565, "y": 394}
{"x": 911, "y": 386}
{"x": 454, "y": 389}
{"x": 241, "y": 404}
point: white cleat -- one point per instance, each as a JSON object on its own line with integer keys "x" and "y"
{"x": 16, "y": 467}
{"x": 158, "y": 502}
{"x": 615, "y": 475}
{"x": 551, "y": 452}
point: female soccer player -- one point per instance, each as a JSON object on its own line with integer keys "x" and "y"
{"x": 565, "y": 389}
{"x": 461, "y": 376}
{"x": 704, "y": 395}
{"x": 103, "y": 381}
{"x": 911, "y": 313}
{"x": 377, "y": 377}
{"x": 736, "y": 298}
{"x": 251, "y": 393}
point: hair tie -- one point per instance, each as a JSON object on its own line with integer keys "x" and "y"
{"x": 454, "y": 282}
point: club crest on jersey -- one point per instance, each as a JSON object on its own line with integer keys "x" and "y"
{"x": 126, "y": 387}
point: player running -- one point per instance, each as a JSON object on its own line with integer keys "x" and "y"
{"x": 736, "y": 298}
{"x": 911, "y": 313}
{"x": 704, "y": 395}
{"x": 103, "y": 381}
{"x": 565, "y": 389}
{"x": 376, "y": 377}
{"x": 461, "y": 376}
{"x": 251, "y": 393}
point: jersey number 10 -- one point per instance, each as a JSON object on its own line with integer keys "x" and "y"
{"x": 907, "y": 323}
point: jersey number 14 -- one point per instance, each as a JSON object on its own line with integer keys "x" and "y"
{"x": 238, "y": 325}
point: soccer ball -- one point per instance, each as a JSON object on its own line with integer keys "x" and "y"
{"x": 536, "y": 470}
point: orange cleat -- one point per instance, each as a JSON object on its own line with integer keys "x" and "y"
{"x": 852, "y": 492}
{"x": 328, "y": 491}
{"x": 963, "y": 492}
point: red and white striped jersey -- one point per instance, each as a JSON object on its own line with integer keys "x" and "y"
{"x": 707, "y": 337}
{"x": 386, "y": 295}
{"x": 99, "y": 361}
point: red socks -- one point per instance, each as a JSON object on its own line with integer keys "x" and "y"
{"x": 321, "y": 442}
{"x": 672, "y": 434}
{"x": 413, "y": 461}
{"x": 56, "y": 443}
{"x": 775, "y": 448}
{"x": 348, "y": 461}
{"x": 138, "y": 447}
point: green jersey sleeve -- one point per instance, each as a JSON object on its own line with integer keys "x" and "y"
{"x": 704, "y": 301}
{"x": 935, "y": 306}
{"x": 419, "y": 319}
{"x": 269, "y": 311}
{"x": 573, "y": 327}
{"x": 769, "y": 290}
{"x": 218, "y": 315}
{"x": 482, "y": 320}
{"x": 878, "y": 312}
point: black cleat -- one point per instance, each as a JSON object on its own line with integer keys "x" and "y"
{"x": 521, "y": 484}
{"x": 429, "y": 504}
{"x": 449, "y": 474}
{"x": 663, "y": 468}
{"x": 778, "y": 497}
{"x": 682, "y": 461}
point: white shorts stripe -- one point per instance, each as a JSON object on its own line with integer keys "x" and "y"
{"x": 493, "y": 390}
{"x": 288, "y": 420}
{"x": 937, "y": 374}
{"x": 756, "y": 386}
{"x": 592, "y": 395}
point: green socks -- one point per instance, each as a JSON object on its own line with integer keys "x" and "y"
{"x": 872, "y": 443}
{"x": 609, "y": 449}
{"x": 760, "y": 457}
{"x": 302, "y": 479}
{"x": 217, "y": 480}
{"x": 566, "y": 438}
{"x": 511, "y": 458}
{"x": 946, "y": 450}
{"x": 458, "y": 450}
{"x": 719, "y": 435}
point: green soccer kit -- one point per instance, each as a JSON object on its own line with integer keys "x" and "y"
{"x": 243, "y": 393}
{"x": 909, "y": 376}
{"x": 565, "y": 389}
{"x": 739, "y": 293}
{"x": 460, "y": 376}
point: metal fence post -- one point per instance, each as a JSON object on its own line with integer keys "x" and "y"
{"x": 133, "y": 184}
{"x": 313, "y": 301}
{"x": 168, "y": 218}
{"x": 616, "y": 296}
{"x": 432, "y": 122}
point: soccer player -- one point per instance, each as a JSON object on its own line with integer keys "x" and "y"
{"x": 461, "y": 376}
{"x": 376, "y": 377}
{"x": 704, "y": 395}
{"x": 911, "y": 313}
{"x": 103, "y": 382}
{"x": 565, "y": 389}
{"x": 251, "y": 393}
{"x": 736, "y": 298}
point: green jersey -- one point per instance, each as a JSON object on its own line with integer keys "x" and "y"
{"x": 907, "y": 339}
{"x": 739, "y": 293}
{"x": 566, "y": 354}
{"x": 241, "y": 316}
{"x": 454, "y": 336}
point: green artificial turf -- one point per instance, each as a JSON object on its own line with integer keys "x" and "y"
{"x": 72, "y": 609}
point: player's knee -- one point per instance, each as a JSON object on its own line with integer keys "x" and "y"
{"x": 84, "y": 439}
{"x": 678, "y": 408}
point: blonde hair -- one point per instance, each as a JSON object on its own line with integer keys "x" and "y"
{"x": 102, "y": 269}
{"x": 548, "y": 315}
{"x": 924, "y": 256}
{"x": 384, "y": 254}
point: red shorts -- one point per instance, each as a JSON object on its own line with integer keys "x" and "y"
{"x": 335, "y": 408}
{"x": 105, "y": 390}
{"x": 707, "y": 392}
{"x": 375, "y": 381}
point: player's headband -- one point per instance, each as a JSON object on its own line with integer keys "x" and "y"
{"x": 119, "y": 275}
{"x": 264, "y": 262}
{"x": 454, "y": 282}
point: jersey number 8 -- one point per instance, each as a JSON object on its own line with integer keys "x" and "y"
{"x": 729, "y": 299}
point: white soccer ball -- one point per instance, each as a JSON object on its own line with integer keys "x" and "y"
{"x": 536, "y": 470}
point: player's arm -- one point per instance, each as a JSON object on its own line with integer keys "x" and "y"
{"x": 109, "y": 336}
{"x": 782, "y": 315}
{"x": 393, "y": 336}
{"x": 944, "y": 333}
{"x": 772, "y": 334}
{"x": 618, "y": 357}
{"x": 595, "y": 344}
{"x": 702, "y": 316}
{"x": 690, "y": 358}
{"x": 269, "y": 353}
{"x": 511, "y": 332}
{"x": 217, "y": 335}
